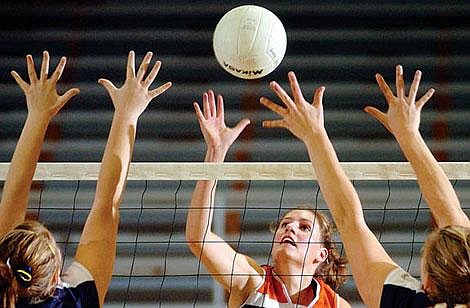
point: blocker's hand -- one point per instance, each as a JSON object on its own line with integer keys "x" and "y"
{"x": 300, "y": 117}
{"x": 134, "y": 96}
{"x": 404, "y": 112}
{"x": 41, "y": 94}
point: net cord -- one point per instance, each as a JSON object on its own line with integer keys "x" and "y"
{"x": 61, "y": 171}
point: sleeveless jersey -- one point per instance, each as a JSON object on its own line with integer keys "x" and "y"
{"x": 272, "y": 293}
{"x": 402, "y": 290}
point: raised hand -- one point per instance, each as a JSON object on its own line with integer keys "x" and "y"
{"x": 133, "y": 97}
{"x": 300, "y": 117}
{"x": 41, "y": 93}
{"x": 217, "y": 135}
{"x": 404, "y": 112}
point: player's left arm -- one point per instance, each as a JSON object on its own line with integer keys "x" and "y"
{"x": 402, "y": 120}
{"x": 370, "y": 263}
{"x": 43, "y": 103}
{"x": 97, "y": 247}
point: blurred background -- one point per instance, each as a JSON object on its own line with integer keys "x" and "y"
{"x": 338, "y": 44}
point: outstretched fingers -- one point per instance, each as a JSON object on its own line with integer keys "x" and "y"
{"x": 425, "y": 98}
{"x": 23, "y": 85}
{"x": 283, "y": 96}
{"x": 153, "y": 74}
{"x": 31, "y": 70}
{"x": 199, "y": 115}
{"x": 414, "y": 86}
{"x": 295, "y": 88}
{"x": 59, "y": 69}
{"x": 44, "y": 66}
{"x": 156, "y": 92}
{"x": 273, "y": 106}
{"x": 220, "y": 108}
{"x": 241, "y": 126}
{"x": 144, "y": 65}
{"x": 64, "y": 98}
{"x": 387, "y": 92}
{"x": 318, "y": 97}
{"x": 277, "y": 109}
{"x": 274, "y": 123}
{"x": 378, "y": 115}
{"x": 108, "y": 85}
{"x": 130, "y": 71}
{"x": 213, "y": 110}
{"x": 400, "y": 82}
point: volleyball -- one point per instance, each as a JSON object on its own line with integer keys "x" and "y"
{"x": 249, "y": 41}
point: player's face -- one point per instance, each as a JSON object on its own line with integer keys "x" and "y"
{"x": 298, "y": 237}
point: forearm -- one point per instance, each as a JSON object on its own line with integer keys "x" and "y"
{"x": 337, "y": 190}
{"x": 199, "y": 220}
{"x": 433, "y": 182}
{"x": 21, "y": 171}
{"x": 116, "y": 160}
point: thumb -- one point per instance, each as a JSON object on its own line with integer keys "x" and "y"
{"x": 241, "y": 126}
{"x": 108, "y": 85}
{"x": 67, "y": 96}
{"x": 378, "y": 115}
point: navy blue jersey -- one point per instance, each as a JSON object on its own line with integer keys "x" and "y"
{"x": 76, "y": 289}
{"x": 401, "y": 290}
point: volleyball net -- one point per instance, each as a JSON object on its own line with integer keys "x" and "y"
{"x": 154, "y": 267}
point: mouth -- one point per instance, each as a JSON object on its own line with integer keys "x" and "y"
{"x": 288, "y": 240}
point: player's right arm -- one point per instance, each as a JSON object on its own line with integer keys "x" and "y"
{"x": 402, "y": 120}
{"x": 231, "y": 269}
{"x": 370, "y": 263}
{"x": 97, "y": 248}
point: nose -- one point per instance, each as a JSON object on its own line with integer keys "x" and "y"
{"x": 290, "y": 227}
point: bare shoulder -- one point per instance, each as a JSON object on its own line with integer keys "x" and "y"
{"x": 255, "y": 278}
{"x": 342, "y": 303}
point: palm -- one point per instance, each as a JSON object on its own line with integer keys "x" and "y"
{"x": 212, "y": 122}
{"x": 298, "y": 116}
{"x": 404, "y": 112}
{"x": 134, "y": 96}
{"x": 216, "y": 134}
{"x": 41, "y": 93}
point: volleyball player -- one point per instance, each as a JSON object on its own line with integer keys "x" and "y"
{"x": 30, "y": 261}
{"x": 302, "y": 247}
{"x": 446, "y": 254}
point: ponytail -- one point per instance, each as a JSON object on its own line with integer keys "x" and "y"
{"x": 7, "y": 289}
{"x": 30, "y": 261}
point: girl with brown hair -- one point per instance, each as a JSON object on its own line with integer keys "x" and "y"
{"x": 302, "y": 251}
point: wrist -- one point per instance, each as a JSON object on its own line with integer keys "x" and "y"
{"x": 215, "y": 154}
{"x": 39, "y": 119}
{"x": 315, "y": 137}
{"x": 125, "y": 117}
{"x": 407, "y": 135}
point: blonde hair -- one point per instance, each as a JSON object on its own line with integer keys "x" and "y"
{"x": 333, "y": 271}
{"x": 447, "y": 263}
{"x": 29, "y": 262}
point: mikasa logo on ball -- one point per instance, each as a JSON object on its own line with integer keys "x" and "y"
{"x": 249, "y": 42}
{"x": 242, "y": 71}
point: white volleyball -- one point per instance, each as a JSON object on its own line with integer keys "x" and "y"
{"x": 249, "y": 41}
